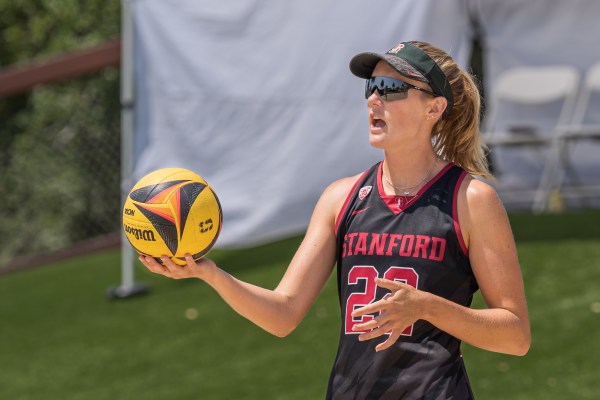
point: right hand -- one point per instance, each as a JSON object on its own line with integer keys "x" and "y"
{"x": 193, "y": 269}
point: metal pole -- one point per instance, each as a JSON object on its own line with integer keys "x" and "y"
{"x": 128, "y": 287}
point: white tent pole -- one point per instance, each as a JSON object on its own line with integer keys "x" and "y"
{"x": 128, "y": 285}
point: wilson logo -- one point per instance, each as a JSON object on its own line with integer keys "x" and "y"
{"x": 140, "y": 234}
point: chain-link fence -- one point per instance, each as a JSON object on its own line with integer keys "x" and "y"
{"x": 60, "y": 167}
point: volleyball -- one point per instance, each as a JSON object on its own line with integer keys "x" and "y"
{"x": 172, "y": 212}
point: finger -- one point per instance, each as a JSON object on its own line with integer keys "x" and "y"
{"x": 155, "y": 267}
{"x": 390, "y": 341}
{"x": 169, "y": 264}
{"x": 150, "y": 263}
{"x": 189, "y": 260}
{"x": 381, "y": 330}
{"x": 200, "y": 263}
{"x": 365, "y": 326}
{"x": 390, "y": 285}
{"x": 372, "y": 324}
{"x": 146, "y": 260}
{"x": 370, "y": 308}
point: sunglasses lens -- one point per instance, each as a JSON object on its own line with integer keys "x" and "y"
{"x": 395, "y": 95}
{"x": 388, "y": 88}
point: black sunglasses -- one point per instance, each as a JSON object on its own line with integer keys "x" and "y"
{"x": 390, "y": 88}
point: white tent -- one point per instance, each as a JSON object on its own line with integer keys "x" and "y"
{"x": 256, "y": 96}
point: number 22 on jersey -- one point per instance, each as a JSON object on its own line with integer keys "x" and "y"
{"x": 368, "y": 273}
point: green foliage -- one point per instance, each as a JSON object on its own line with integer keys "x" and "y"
{"x": 64, "y": 340}
{"x": 59, "y": 143}
{"x": 41, "y": 28}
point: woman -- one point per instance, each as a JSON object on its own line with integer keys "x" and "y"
{"x": 413, "y": 238}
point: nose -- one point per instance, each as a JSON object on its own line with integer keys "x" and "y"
{"x": 374, "y": 98}
{"x": 373, "y": 89}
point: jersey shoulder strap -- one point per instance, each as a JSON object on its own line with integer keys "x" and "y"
{"x": 360, "y": 189}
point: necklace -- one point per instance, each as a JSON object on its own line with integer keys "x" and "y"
{"x": 407, "y": 190}
{"x": 403, "y": 202}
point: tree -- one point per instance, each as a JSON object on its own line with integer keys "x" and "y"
{"x": 59, "y": 143}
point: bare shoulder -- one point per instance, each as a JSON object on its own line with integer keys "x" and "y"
{"x": 342, "y": 187}
{"x": 335, "y": 195}
{"x": 338, "y": 190}
{"x": 479, "y": 206}
{"x": 479, "y": 194}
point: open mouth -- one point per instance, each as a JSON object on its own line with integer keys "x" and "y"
{"x": 377, "y": 123}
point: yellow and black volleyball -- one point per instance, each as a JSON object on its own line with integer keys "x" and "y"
{"x": 172, "y": 212}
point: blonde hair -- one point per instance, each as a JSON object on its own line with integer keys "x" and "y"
{"x": 456, "y": 136}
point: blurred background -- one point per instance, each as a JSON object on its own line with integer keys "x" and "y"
{"x": 257, "y": 98}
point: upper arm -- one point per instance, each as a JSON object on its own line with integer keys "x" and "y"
{"x": 492, "y": 249}
{"x": 314, "y": 260}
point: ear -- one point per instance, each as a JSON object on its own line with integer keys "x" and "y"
{"x": 436, "y": 108}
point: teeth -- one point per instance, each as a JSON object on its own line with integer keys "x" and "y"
{"x": 378, "y": 123}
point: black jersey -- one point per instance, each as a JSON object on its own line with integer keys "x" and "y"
{"x": 416, "y": 241}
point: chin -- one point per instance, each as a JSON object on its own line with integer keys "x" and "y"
{"x": 376, "y": 142}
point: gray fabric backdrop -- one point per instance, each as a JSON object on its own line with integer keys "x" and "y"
{"x": 256, "y": 96}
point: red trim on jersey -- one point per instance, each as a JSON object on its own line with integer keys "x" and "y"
{"x": 392, "y": 200}
{"x": 459, "y": 235}
{"x": 345, "y": 205}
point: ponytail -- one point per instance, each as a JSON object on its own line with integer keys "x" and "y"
{"x": 456, "y": 137}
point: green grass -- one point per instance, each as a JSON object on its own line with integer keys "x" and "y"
{"x": 61, "y": 339}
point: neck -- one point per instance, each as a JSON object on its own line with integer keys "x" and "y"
{"x": 409, "y": 173}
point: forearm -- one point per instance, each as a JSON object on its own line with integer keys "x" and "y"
{"x": 270, "y": 310}
{"x": 494, "y": 329}
{"x": 277, "y": 311}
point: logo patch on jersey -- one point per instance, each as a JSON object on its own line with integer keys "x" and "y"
{"x": 360, "y": 211}
{"x": 364, "y": 192}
